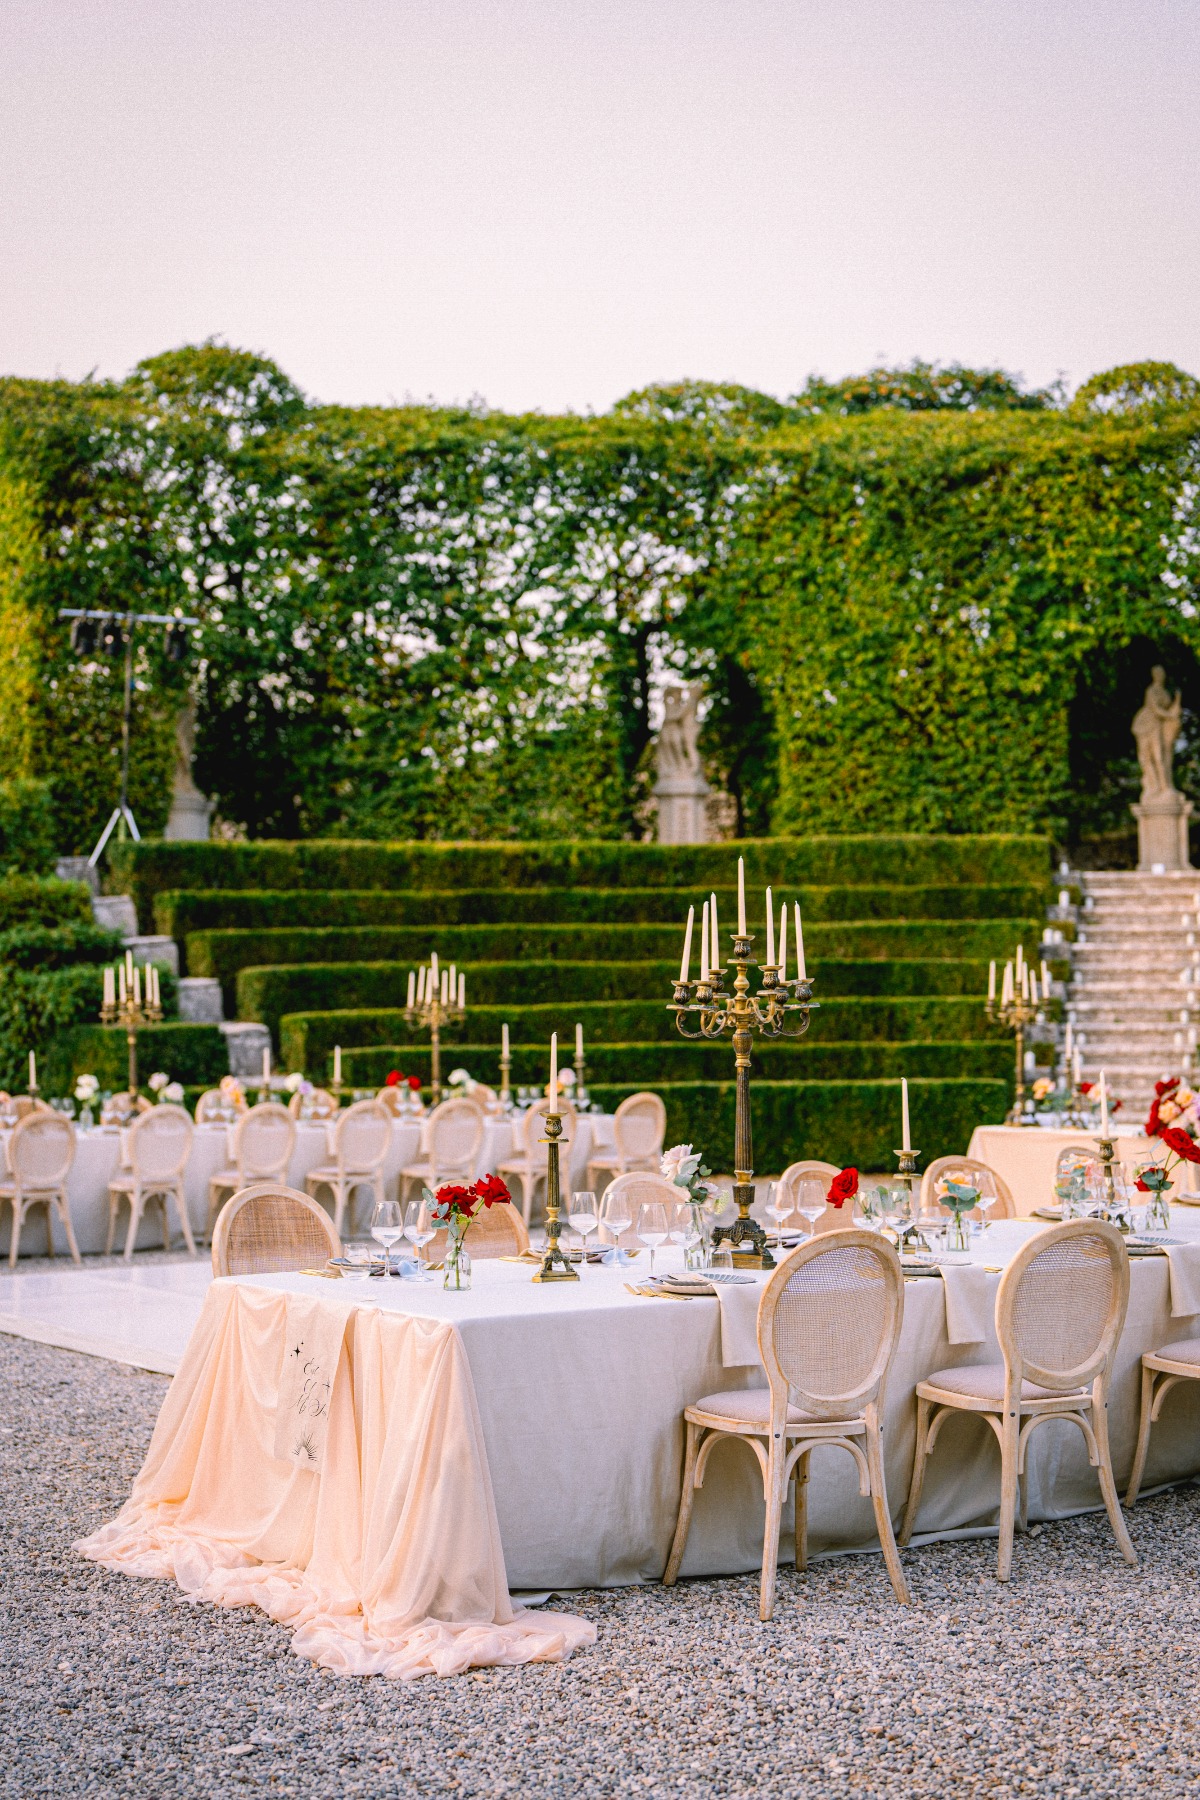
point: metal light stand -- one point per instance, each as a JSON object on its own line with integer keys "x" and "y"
{"x": 133, "y": 1015}
{"x": 1015, "y": 1015}
{"x": 556, "y": 1265}
{"x": 431, "y": 1015}
{"x": 743, "y": 1014}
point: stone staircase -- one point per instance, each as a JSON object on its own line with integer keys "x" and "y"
{"x": 1134, "y": 998}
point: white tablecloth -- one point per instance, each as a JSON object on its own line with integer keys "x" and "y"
{"x": 1025, "y": 1157}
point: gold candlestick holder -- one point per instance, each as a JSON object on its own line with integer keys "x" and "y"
{"x": 431, "y": 1014}
{"x": 909, "y": 1234}
{"x": 580, "y": 1094}
{"x": 1015, "y": 1015}
{"x": 735, "y": 1010}
{"x": 506, "y": 1099}
{"x": 133, "y": 1015}
{"x": 556, "y": 1265}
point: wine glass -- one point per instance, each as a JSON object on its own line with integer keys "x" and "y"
{"x": 984, "y": 1184}
{"x": 652, "y": 1227}
{"x": 418, "y": 1226}
{"x": 680, "y": 1229}
{"x": 779, "y": 1205}
{"x": 583, "y": 1216}
{"x": 615, "y": 1215}
{"x": 387, "y": 1228}
{"x": 810, "y": 1201}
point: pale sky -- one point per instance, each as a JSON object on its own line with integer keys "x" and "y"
{"x": 548, "y": 203}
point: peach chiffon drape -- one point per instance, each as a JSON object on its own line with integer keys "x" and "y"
{"x": 387, "y": 1559}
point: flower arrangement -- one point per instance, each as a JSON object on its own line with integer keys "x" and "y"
{"x": 1175, "y": 1105}
{"x": 396, "y": 1079}
{"x": 1043, "y": 1087}
{"x": 686, "y": 1169}
{"x": 456, "y": 1208}
{"x": 232, "y": 1092}
{"x": 86, "y": 1089}
{"x": 843, "y": 1187}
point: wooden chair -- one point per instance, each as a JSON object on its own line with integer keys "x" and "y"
{"x": 964, "y": 1169}
{"x": 1059, "y": 1314}
{"x": 210, "y": 1107}
{"x": 528, "y": 1166}
{"x": 268, "y": 1228}
{"x": 40, "y": 1153}
{"x": 834, "y": 1218}
{"x": 263, "y": 1140}
{"x": 453, "y": 1136}
{"x": 25, "y": 1105}
{"x": 1161, "y": 1370}
{"x": 640, "y": 1187}
{"x": 362, "y": 1137}
{"x": 828, "y": 1324}
{"x": 159, "y": 1143}
{"x": 322, "y": 1104}
{"x": 639, "y": 1127}
{"x": 497, "y": 1231}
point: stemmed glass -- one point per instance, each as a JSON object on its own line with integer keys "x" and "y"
{"x": 681, "y": 1227}
{"x": 615, "y": 1215}
{"x": 418, "y": 1227}
{"x": 583, "y": 1217}
{"x": 652, "y": 1226}
{"x": 387, "y": 1228}
{"x": 985, "y": 1186}
{"x": 779, "y": 1205}
{"x": 810, "y": 1201}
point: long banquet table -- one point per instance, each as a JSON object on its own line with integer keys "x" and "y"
{"x": 1026, "y": 1157}
{"x": 554, "y": 1411}
{"x": 98, "y": 1156}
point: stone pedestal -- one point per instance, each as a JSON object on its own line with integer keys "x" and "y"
{"x": 189, "y": 817}
{"x": 1163, "y": 831}
{"x": 200, "y": 1001}
{"x": 682, "y": 810}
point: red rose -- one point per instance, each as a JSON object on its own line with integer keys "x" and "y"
{"x": 414, "y": 1082}
{"x": 1161, "y": 1091}
{"x": 491, "y": 1190}
{"x": 1166, "y": 1087}
{"x": 1141, "y": 1186}
{"x": 843, "y": 1187}
{"x": 455, "y": 1196}
{"x": 394, "y": 1079}
{"x": 1181, "y": 1144}
{"x": 1085, "y": 1087}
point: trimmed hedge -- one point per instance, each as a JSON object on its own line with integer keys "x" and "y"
{"x": 147, "y": 869}
{"x": 26, "y": 827}
{"x": 56, "y": 946}
{"x": 306, "y": 1039}
{"x": 197, "y": 1055}
{"x": 929, "y": 946}
{"x": 179, "y": 912}
{"x": 651, "y": 1064}
{"x": 840, "y": 1122}
{"x": 31, "y": 900}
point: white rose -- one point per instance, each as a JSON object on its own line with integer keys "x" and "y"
{"x": 672, "y": 1158}
{"x": 173, "y": 1093}
{"x": 158, "y": 1082}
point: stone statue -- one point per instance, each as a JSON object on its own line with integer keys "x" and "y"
{"x": 1156, "y": 728}
{"x": 681, "y": 790}
{"x": 1163, "y": 812}
{"x": 190, "y": 811}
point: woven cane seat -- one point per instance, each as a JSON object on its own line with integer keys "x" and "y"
{"x": 985, "y": 1381}
{"x": 1186, "y": 1351}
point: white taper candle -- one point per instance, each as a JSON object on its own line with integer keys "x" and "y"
{"x": 905, "y": 1138}
{"x": 714, "y": 940}
{"x": 705, "y": 965}
{"x": 266, "y": 1065}
{"x": 504, "y": 1040}
{"x": 462, "y": 992}
{"x": 554, "y": 1072}
{"x": 685, "y": 961}
{"x": 741, "y": 897}
{"x": 1103, "y": 1106}
{"x": 783, "y": 940}
{"x": 992, "y": 981}
{"x": 337, "y": 1063}
{"x": 579, "y": 1042}
{"x": 412, "y": 989}
{"x": 801, "y": 971}
{"x": 32, "y": 1072}
{"x": 770, "y": 931}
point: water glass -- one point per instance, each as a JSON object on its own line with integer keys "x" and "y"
{"x": 720, "y": 1258}
{"x": 810, "y": 1201}
{"x": 615, "y": 1215}
{"x": 418, "y": 1227}
{"x": 358, "y": 1259}
{"x": 583, "y": 1217}
{"x": 779, "y": 1204}
{"x": 652, "y": 1226}
{"x": 387, "y": 1228}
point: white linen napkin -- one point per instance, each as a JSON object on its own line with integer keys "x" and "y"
{"x": 312, "y": 1345}
{"x": 1184, "y": 1260}
{"x": 970, "y": 1304}
{"x": 739, "y": 1323}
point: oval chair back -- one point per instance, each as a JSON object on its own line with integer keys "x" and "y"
{"x": 834, "y": 1217}
{"x": 454, "y": 1132}
{"x": 160, "y": 1141}
{"x": 972, "y": 1174}
{"x": 828, "y": 1324}
{"x": 533, "y": 1130}
{"x": 263, "y": 1141}
{"x": 210, "y": 1105}
{"x": 497, "y": 1231}
{"x": 1061, "y": 1305}
{"x": 321, "y": 1104}
{"x": 640, "y": 1187}
{"x": 41, "y": 1150}
{"x": 267, "y": 1228}
{"x": 362, "y": 1136}
{"x": 639, "y": 1126}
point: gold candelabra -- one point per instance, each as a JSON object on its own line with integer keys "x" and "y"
{"x": 505, "y": 1079}
{"x": 435, "y": 996}
{"x": 556, "y": 1265}
{"x": 1015, "y": 1010}
{"x": 125, "y": 1004}
{"x": 723, "y": 1009}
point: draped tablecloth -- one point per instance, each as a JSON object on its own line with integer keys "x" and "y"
{"x": 1025, "y": 1157}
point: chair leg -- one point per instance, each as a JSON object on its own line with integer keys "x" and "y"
{"x": 686, "y": 1496}
{"x": 49, "y": 1229}
{"x": 920, "y": 1458}
{"x": 64, "y": 1213}
{"x": 802, "y": 1511}
{"x": 527, "y": 1187}
{"x": 166, "y": 1223}
{"x": 776, "y": 1462}
{"x": 1023, "y": 1502}
{"x": 112, "y": 1223}
{"x": 185, "y": 1222}
{"x": 1143, "y": 1437}
{"x": 135, "y": 1216}
{"x": 883, "y": 1517}
{"x": 14, "y": 1242}
{"x": 1010, "y": 1434}
{"x": 1108, "y": 1485}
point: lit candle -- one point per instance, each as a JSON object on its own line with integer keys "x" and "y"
{"x": 554, "y": 1072}
{"x": 412, "y": 989}
{"x": 741, "y": 897}
{"x": 714, "y": 942}
{"x": 32, "y": 1073}
{"x": 504, "y": 1040}
{"x": 991, "y": 983}
{"x": 801, "y": 971}
{"x": 705, "y": 965}
{"x": 121, "y": 974}
{"x": 905, "y": 1139}
{"x": 1103, "y": 1106}
{"x": 770, "y": 931}
{"x": 337, "y": 1063}
{"x": 579, "y": 1043}
{"x": 685, "y": 961}
{"x": 462, "y": 992}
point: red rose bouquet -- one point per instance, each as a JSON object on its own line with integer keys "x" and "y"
{"x": 455, "y": 1208}
{"x": 843, "y": 1187}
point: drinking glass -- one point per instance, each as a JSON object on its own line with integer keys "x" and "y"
{"x": 584, "y": 1218}
{"x": 985, "y": 1183}
{"x": 418, "y": 1227}
{"x": 387, "y": 1228}
{"x": 779, "y": 1205}
{"x": 652, "y": 1226}
{"x": 810, "y": 1201}
{"x": 721, "y": 1257}
{"x": 358, "y": 1261}
{"x": 615, "y": 1215}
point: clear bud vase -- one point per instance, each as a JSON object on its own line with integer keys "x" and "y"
{"x": 957, "y": 1233}
{"x": 696, "y": 1255}
{"x": 1158, "y": 1213}
{"x": 456, "y": 1270}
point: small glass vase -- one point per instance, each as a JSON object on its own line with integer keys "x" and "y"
{"x": 1158, "y": 1211}
{"x": 696, "y": 1254}
{"x": 456, "y": 1270}
{"x": 958, "y": 1233}
{"x": 86, "y": 1120}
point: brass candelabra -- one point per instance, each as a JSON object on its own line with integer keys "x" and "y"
{"x": 1015, "y": 1012}
{"x": 721, "y": 1008}
{"x": 432, "y": 1004}
{"x": 133, "y": 1010}
{"x": 556, "y": 1265}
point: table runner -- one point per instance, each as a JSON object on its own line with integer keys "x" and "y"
{"x": 388, "y": 1560}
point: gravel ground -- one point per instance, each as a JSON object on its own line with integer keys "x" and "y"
{"x": 1076, "y": 1680}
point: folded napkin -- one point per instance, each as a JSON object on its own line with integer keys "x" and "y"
{"x": 312, "y": 1345}
{"x": 617, "y": 1258}
{"x": 739, "y": 1323}
{"x": 970, "y": 1303}
{"x": 1184, "y": 1261}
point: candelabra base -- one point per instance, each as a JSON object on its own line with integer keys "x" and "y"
{"x": 746, "y": 1238}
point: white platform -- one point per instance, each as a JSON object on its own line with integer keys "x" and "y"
{"x": 142, "y": 1316}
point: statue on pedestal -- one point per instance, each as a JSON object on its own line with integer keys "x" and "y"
{"x": 1163, "y": 812}
{"x": 190, "y": 811}
{"x": 681, "y": 790}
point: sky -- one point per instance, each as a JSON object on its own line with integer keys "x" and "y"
{"x": 548, "y": 203}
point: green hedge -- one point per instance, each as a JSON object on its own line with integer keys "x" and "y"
{"x": 56, "y": 946}
{"x": 197, "y": 1055}
{"x": 930, "y": 945}
{"x": 26, "y": 827}
{"x": 307, "y": 1038}
{"x": 178, "y": 912}
{"x": 30, "y": 900}
{"x": 147, "y": 869}
{"x": 650, "y": 1064}
{"x": 840, "y": 1122}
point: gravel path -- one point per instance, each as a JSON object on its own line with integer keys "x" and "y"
{"x": 1077, "y": 1680}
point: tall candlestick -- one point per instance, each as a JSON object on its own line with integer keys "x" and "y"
{"x": 462, "y": 992}
{"x": 741, "y": 897}
{"x": 1077, "y": 1066}
{"x": 1103, "y": 1106}
{"x": 554, "y": 1072}
{"x": 801, "y": 971}
{"x": 110, "y": 988}
{"x": 122, "y": 983}
{"x": 266, "y": 1074}
{"x": 579, "y": 1042}
{"x": 412, "y": 989}
{"x": 770, "y": 931}
{"x": 705, "y": 964}
{"x": 714, "y": 944}
{"x": 337, "y": 1064}
{"x": 906, "y": 1140}
{"x": 685, "y": 961}
{"x": 783, "y": 940}
{"x": 991, "y": 983}
{"x": 504, "y": 1040}
{"x": 32, "y": 1073}
{"x": 137, "y": 985}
